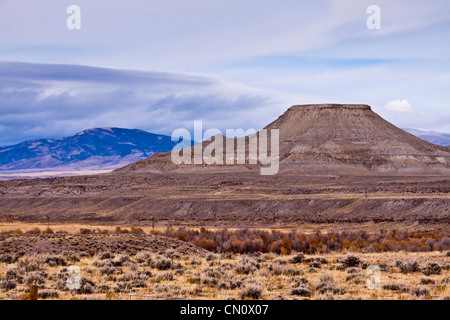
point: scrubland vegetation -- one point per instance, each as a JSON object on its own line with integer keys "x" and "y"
{"x": 254, "y": 240}
{"x": 241, "y": 264}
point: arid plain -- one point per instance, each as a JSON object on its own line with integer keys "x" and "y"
{"x": 352, "y": 191}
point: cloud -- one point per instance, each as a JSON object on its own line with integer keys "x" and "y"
{"x": 399, "y": 106}
{"x": 50, "y": 101}
{"x": 188, "y": 35}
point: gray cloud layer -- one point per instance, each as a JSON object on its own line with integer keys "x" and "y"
{"x": 55, "y": 100}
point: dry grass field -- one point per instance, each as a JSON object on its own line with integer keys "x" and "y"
{"x": 138, "y": 265}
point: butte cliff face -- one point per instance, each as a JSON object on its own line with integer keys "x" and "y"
{"x": 333, "y": 136}
{"x": 353, "y": 135}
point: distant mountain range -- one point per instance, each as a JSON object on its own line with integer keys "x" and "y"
{"x": 92, "y": 149}
{"x": 106, "y": 149}
{"x": 442, "y": 139}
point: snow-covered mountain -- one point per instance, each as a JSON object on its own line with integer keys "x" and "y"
{"x": 92, "y": 149}
{"x": 442, "y": 139}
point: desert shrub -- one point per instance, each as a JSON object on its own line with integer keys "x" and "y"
{"x": 384, "y": 267}
{"x": 120, "y": 260}
{"x": 13, "y": 273}
{"x": 164, "y": 276}
{"x": 331, "y": 296}
{"x": 327, "y": 285}
{"x": 213, "y": 273}
{"x": 48, "y": 293}
{"x": 194, "y": 279}
{"x": 34, "y": 277}
{"x": 356, "y": 278}
{"x": 130, "y": 284}
{"x": 317, "y": 259}
{"x": 196, "y": 262}
{"x": 34, "y": 231}
{"x": 263, "y": 272}
{"x": 247, "y": 265}
{"x": 104, "y": 288}
{"x": 162, "y": 287}
{"x": 7, "y": 284}
{"x": 162, "y": 263}
{"x": 227, "y": 266}
{"x": 427, "y": 281}
{"x": 87, "y": 286}
{"x": 231, "y": 284}
{"x": 86, "y": 231}
{"x": 300, "y": 281}
{"x": 315, "y": 264}
{"x": 298, "y": 258}
{"x": 142, "y": 256}
{"x": 105, "y": 255}
{"x": 136, "y": 230}
{"x": 326, "y": 277}
{"x": 420, "y": 291}
{"x": 353, "y": 270}
{"x": 252, "y": 291}
{"x": 211, "y": 257}
{"x": 432, "y": 268}
{"x": 301, "y": 291}
{"x": 245, "y": 241}
{"x": 177, "y": 266}
{"x": 137, "y": 283}
{"x": 291, "y": 271}
{"x": 410, "y": 265}
{"x": 277, "y": 269}
{"x": 48, "y": 230}
{"x": 8, "y": 258}
{"x": 116, "y": 263}
{"x": 146, "y": 273}
{"x": 13, "y": 231}
{"x": 133, "y": 266}
{"x": 71, "y": 256}
{"x": 108, "y": 269}
{"x": 99, "y": 263}
{"x": 207, "y": 280}
{"x": 60, "y": 285}
{"x": 364, "y": 265}
{"x": 447, "y": 254}
{"x": 172, "y": 254}
{"x": 55, "y": 260}
{"x": 28, "y": 264}
{"x": 280, "y": 261}
{"x": 351, "y": 261}
{"x": 395, "y": 287}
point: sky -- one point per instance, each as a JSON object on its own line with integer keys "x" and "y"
{"x": 160, "y": 65}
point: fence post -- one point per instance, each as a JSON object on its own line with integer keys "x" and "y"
{"x": 33, "y": 292}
